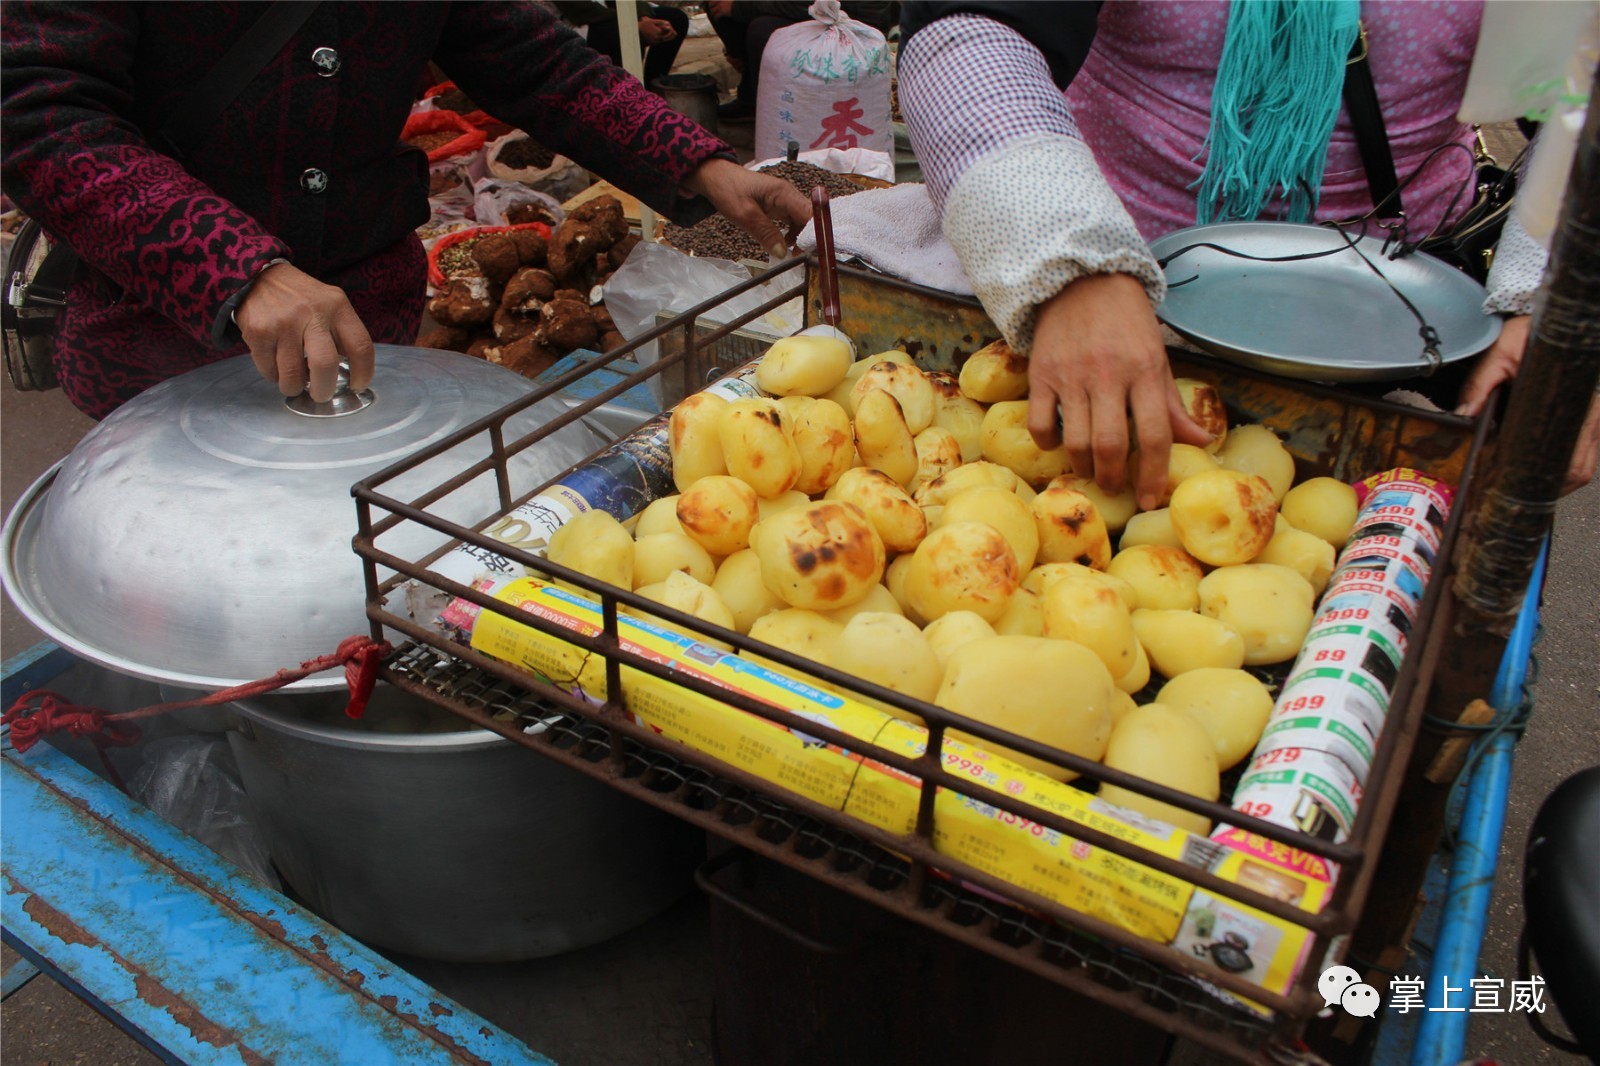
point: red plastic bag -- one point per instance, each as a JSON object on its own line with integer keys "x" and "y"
{"x": 469, "y": 138}
{"x": 436, "y": 276}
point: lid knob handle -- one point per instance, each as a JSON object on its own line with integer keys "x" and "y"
{"x": 344, "y": 401}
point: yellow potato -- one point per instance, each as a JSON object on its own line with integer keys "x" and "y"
{"x": 878, "y": 599}
{"x": 1150, "y": 527}
{"x": 1183, "y": 462}
{"x": 1070, "y": 529}
{"x": 1230, "y": 705}
{"x": 683, "y": 593}
{"x": 887, "y": 650}
{"x": 959, "y": 413}
{"x": 803, "y": 633}
{"x": 962, "y": 566}
{"x": 1023, "y": 617}
{"x": 803, "y": 366}
{"x": 1305, "y": 553}
{"x": 1094, "y": 616}
{"x": 1269, "y": 606}
{"x": 1138, "y": 675}
{"x": 1180, "y": 641}
{"x": 1006, "y": 441}
{"x": 694, "y": 438}
{"x": 1204, "y": 404}
{"x": 738, "y": 582}
{"x": 659, "y": 554}
{"x": 819, "y": 557}
{"x": 1054, "y": 692}
{"x": 794, "y": 405}
{"x": 718, "y": 512}
{"x": 894, "y": 579}
{"x": 883, "y": 439}
{"x": 1322, "y": 506}
{"x": 827, "y": 445}
{"x": 596, "y": 544}
{"x": 940, "y": 490}
{"x": 659, "y": 516}
{"x": 907, "y": 384}
{"x": 1114, "y": 510}
{"x": 766, "y": 508}
{"x": 1005, "y": 512}
{"x": 900, "y": 523}
{"x": 1044, "y": 575}
{"x": 1224, "y": 517}
{"x": 758, "y": 446}
{"x": 1255, "y": 449}
{"x": 1121, "y": 704}
{"x": 953, "y": 630}
{"x": 843, "y": 393}
{"x": 938, "y": 453}
{"x": 1170, "y": 748}
{"x": 994, "y": 373}
{"x": 1162, "y": 577}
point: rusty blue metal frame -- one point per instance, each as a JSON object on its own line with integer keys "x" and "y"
{"x": 192, "y": 957}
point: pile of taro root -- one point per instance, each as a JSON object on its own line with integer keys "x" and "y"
{"x": 524, "y": 302}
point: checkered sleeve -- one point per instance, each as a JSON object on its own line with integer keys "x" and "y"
{"x": 1022, "y": 200}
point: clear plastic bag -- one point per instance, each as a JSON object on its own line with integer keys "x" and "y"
{"x": 657, "y": 278}
{"x": 192, "y": 781}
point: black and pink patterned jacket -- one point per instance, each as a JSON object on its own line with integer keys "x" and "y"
{"x": 306, "y": 163}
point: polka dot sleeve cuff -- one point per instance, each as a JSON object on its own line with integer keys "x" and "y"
{"x": 1518, "y": 268}
{"x": 1033, "y": 217}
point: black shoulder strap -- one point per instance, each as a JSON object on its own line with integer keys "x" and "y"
{"x": 247, "y": 57}
{"x": 1366, "y": 119}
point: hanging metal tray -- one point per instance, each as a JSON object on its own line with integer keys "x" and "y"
{"x": 1342, "y": 314}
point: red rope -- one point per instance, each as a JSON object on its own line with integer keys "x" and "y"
{"x": 41, "y": 712}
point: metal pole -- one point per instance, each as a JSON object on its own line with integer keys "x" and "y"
{"x": 1442, "y": 1035}
{"x": 633, "y": 63}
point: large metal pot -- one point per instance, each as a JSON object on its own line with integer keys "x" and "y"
{"x": 200, "y": 537}
{"x": 453, "y": 845}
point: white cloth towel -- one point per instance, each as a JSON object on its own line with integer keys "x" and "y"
{"x": 896, "y": 230}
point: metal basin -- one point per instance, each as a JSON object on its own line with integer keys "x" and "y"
{"x": 417, "y": 837}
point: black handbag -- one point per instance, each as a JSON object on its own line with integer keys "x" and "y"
{"x": 39, "y": 271}
{"x": 1466, "y": 240}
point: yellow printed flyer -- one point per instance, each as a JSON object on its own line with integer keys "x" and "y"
{"x": 1071, "y": 872}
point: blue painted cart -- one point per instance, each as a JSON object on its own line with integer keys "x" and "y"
{"x": 194, "y": 959}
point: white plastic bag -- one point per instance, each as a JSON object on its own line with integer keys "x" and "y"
{"x": 561, "y": 178}
{"x": 492, "y": 199}
{"x": 824, "y": 84}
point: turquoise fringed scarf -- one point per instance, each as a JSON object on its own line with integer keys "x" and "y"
{"x": 1277, "y": 96}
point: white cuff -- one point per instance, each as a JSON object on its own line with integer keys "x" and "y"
{"x": 1032, "y": 218}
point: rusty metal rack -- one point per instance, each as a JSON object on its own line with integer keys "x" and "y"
{"x": 1335, "y": 432}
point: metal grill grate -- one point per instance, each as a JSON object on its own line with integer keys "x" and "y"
{"x": 834, "y": 854}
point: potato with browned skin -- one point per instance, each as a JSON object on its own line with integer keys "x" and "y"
{"x": 819, "y": 557}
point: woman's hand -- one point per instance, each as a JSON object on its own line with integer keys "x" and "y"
{"x": 1498, "y": 366}
{"x": 293, "y": 322}
{"x": 752, "y": 200}
{"x": 1097, "y": 356}
{"x": 655, "y": 31}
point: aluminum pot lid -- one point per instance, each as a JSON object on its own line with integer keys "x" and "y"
{"x": 201, "y": 534}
